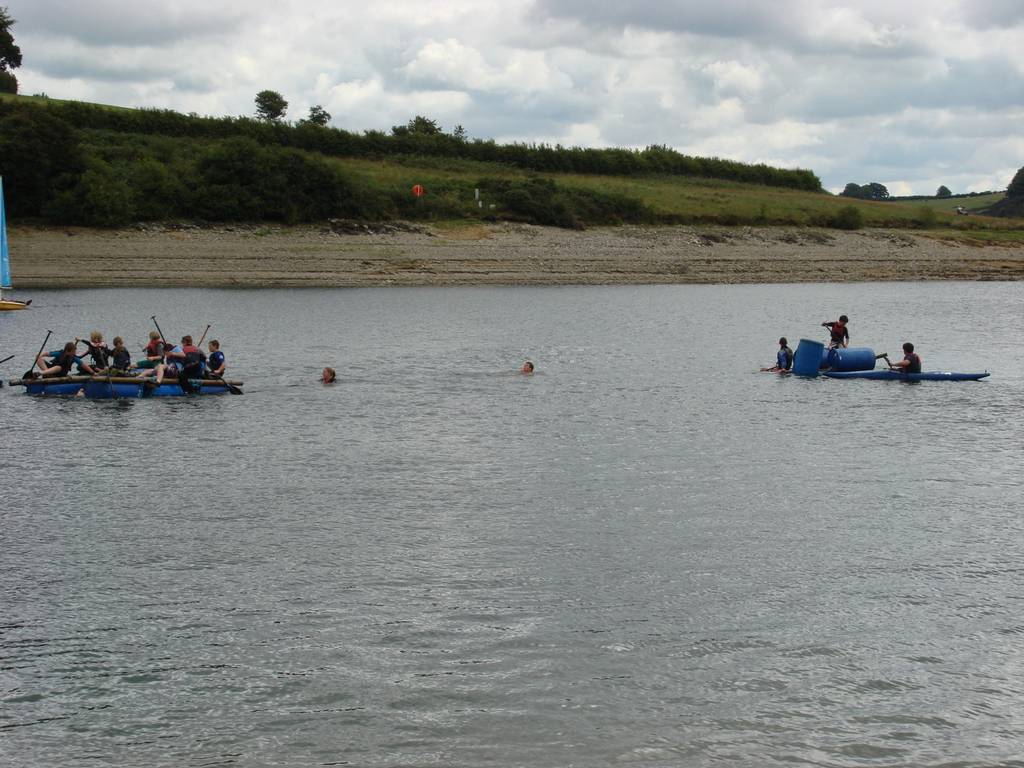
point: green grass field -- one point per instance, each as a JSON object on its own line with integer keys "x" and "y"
{"x": 708, "y": 200}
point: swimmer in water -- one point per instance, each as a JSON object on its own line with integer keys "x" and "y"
{"x": 328, "y": 376}
{"x": 527, "y": 368}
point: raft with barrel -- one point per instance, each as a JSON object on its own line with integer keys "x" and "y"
{"x": 813, "y": 358}
{"x": 115, "y": 387}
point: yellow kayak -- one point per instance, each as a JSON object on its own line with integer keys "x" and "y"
{"x": 8, "y": 304}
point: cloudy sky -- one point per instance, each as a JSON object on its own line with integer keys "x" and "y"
{"x": 909, "y": 93}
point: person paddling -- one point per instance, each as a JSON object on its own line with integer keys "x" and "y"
{"x": 59, "y": 364}
{"x": 840, "y": 333}
{"x": 216, "y": 364}
{"x": 98, "y": 351}
{"x": 911, "y": 362}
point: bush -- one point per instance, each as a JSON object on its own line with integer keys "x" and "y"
{"x": 926, "y": 217}
{"x": 100, "y": 199}
{"x": 848, "y": 217}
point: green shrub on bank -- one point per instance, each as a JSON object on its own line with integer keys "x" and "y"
{"x": 926, "y": 217}
{"x": 848, "y": 217}
{"x": 541, "y": 201}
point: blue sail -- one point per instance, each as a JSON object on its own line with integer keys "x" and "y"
{"x": 5, "y": 259}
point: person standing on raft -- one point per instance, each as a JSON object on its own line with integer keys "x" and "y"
{"x": 839, "y": 331}
{"x": 911, "y": 362}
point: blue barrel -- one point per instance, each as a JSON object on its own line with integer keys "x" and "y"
{"x": 808, "y": 357}
{"x": 849, "y": 359}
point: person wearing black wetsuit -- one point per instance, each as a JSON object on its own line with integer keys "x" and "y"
{"x": 911, "y": 362}
{"x": 840, "y": 333}
{"x": 58, "y": 365}
{"x": 120, "y": 357}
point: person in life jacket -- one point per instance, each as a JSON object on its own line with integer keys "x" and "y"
{"x": 192, "y": 364}
{"x": 153, "y": 351}
{"x": 839, "y": 332}
{"x": 911, "y": 362}
{"x": 155, "y": 363}
{"x": 98, "y": 351}
{"x": 783, "y": 359}
{"x": 215, "y": 365}
{"x": 58, "y": 363}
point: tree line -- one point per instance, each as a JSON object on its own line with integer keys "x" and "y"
{"x": 100, "y": 177}
{"x": 310, "y": 136}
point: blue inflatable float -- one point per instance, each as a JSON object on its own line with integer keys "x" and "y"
{"x": 812, "y": 357}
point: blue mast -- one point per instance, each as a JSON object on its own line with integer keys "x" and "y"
{"x": 5, "y": 258}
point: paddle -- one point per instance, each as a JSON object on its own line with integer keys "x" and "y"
{"x": 162, "y": 337}
{"x": 9, "y": 357}
{"x": 29, "y": 373}
{"x": 231, "y": 387}
{"x": 201, "y": 338}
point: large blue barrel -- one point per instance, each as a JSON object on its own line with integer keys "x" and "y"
{"x": 849, "y": 359}
{"x": 808, "y": 357}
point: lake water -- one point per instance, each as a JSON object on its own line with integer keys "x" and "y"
{"x": 646, "y": 554}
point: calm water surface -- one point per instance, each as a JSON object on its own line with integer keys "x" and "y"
{"x": 646, "y": 554}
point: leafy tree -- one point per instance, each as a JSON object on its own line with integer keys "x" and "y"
{"x": 1016, "y": 188}
{"x": 318, "y": 115}
{"x": 39, "y": 155}
{"x": 852, "y": 190}
{"x": 459, "y": 133}
{"x": 270, "y": 106}
{"x": 943, "y": 191}
{"x": 10, "y": 54}
{"x": 419, "y": 125}
{"x": 874, "y": 191}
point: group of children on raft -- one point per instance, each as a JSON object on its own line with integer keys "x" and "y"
{"x": 182, "y": 361}
{"x": 840, "y": 338}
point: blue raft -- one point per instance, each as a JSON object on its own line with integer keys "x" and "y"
{"x": 887, "y": 375}
{"x": 115, "y": 387}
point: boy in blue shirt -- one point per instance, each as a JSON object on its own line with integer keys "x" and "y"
{"x": 215, "y": 363}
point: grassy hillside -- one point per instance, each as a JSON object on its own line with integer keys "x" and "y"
{"x": 199, "y": 168}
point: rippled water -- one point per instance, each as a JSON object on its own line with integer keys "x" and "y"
{"x": 646, "y": 554}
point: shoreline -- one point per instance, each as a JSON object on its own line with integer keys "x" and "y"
{"x": 253, "y": 256}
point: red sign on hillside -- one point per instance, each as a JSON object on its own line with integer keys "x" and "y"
{"x": 418, "y": 190}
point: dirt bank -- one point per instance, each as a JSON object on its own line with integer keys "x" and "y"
{"x": 251, "y": 256}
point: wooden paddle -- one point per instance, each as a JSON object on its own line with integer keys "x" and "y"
{"x": 30, "y": 371}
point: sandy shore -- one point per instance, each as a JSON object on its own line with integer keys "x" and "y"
{"x": 511, "y": 254}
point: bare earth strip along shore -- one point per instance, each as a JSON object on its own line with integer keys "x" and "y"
{"x": 509, "y": 254}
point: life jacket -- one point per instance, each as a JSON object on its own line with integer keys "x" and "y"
{"x": 915, "y": 362}
{"x": 193, "y": 355}
{"x": 155, "y": 347}
{"x": 99, "y": 353}
{"x": 838, "y": 333}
